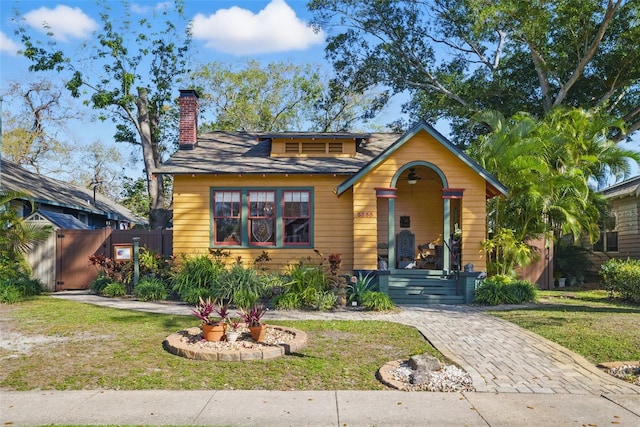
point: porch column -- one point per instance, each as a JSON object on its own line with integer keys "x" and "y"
{"x": 447, "y": 195}
{"x": 390, "y": 194}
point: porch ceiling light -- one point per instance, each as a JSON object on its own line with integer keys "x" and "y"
{"x": 412, "y": 178}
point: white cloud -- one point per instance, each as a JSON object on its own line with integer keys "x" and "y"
{"x": 7, "y": 45}
{"x": 63, "y": 21}
{"x": 239, "y": 31}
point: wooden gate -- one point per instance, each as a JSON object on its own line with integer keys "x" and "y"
{"x": 74, "y": 247}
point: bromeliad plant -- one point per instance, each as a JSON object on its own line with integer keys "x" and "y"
{"x": 205, "y": 310}
{"x": 253, "y": 317}
{"x": 234, "y": 325}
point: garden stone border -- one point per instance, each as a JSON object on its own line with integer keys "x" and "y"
{"x": 175, "y": 345}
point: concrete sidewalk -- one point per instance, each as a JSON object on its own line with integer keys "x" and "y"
{"x": 314, "y": 408}
{"x": 521, "y": 378}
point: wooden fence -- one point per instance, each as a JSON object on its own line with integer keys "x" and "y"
{"x": 62, "y": 262}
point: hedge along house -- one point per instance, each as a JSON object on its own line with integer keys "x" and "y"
{"x": 388, "y": 203}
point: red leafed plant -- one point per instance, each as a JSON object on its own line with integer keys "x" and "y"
{"x": 206, "y": 308}
{"x": 253, "y": 317}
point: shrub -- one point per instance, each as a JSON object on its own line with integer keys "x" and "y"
{"x": 154, "y": 264}
{"x": 114, "y": 289}
{"x": 274, "y": 284}
{"x": 9, "y": 294}
{"x": 523, "y": 291}
{"x": 305, "y": 285}
{"x": 98, "y": 285}
{"x": 193, "y": 274}
{"x": 622, "y": 279}
{"x": 322, "y": 300}
{"x": 288, "y": 301}
{"x": 303, "y": 276}
{"x": 20, "y": 288}
{"x": 240, "y": 286}
{"x": 150, "y": 289}
{"x": 121, "y": 272}
{"x": 377, "y": 301}
{"x": 193, "y": 295}
{"x": 502, "y": 290}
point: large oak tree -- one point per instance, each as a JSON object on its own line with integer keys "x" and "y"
{"x": 459, "y": 57}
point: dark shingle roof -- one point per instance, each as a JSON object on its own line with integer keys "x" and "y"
{"x": 49, "y": 191}
{"x": 629, "y": 187}
{"x": 249, "y": 153}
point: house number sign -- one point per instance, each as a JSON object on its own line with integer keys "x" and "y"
{"x": 365, "y": 214}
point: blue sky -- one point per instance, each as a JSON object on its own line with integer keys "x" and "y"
{"x": 232, "y": 31}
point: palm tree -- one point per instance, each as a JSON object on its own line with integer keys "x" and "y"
{"x": 549, "y": 166}
{"x": 18, "y": 236}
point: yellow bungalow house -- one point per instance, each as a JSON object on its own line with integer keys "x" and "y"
{"x": 410, "y": 207}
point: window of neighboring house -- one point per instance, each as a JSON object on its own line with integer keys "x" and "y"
{"x": 296, "y": 218}
{"x": 227, "y": 217}
{"x": 262, "y": 218}
{"x": 611, "y": 241}
{"x": 608, "y": 241}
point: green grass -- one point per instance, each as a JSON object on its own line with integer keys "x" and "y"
{"x": 584, "y": 321}
{"x": 118, "y": 349}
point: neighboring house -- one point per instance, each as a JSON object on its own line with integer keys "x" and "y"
{"x": 391, "y": 203}
{"x": 620, "y": 231}
{"x": 53, "y": 197}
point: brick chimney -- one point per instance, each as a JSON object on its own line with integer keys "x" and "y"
{"x": 189, "y": 107}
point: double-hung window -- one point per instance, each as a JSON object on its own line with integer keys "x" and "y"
{"x": 296, "y": 217}
{"x": 226, "y": 217}
{"x": 608, "y": 241}
{"x": 262, "y": 217}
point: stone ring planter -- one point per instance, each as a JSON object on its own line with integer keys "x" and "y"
{"x": 279, "y": 341}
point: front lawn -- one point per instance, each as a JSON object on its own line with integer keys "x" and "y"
{"x": 80, "y": 346}
{"x": 584, "y": 321}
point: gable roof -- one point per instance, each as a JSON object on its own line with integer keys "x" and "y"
{"x": 60, "y": 220}
{"x": 627, "y": 188}
{"x": 250, "y": 153}
{"x": 423, "y": 126}
{"x": 48, "y": 191}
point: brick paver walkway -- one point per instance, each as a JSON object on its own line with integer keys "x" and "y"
{"x": 500, "y": 356}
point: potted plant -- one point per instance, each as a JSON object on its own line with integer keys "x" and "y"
{"x": 212, "y": 327}
{"x": 253, "y": 319}
{"x": 233, "y": 331}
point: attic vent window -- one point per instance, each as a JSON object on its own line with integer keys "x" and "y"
{"x": 313, "y": 148}
{"x": 292, "y": 147}
{"x": 335, "y": 147}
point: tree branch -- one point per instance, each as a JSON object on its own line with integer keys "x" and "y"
{"x": 612, "y": 9}
{"x": 541, "y": 70}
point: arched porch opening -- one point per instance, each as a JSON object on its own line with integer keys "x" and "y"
{"x": 419, "y": 220}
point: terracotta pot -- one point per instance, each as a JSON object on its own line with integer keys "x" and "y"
{"x": 257, "y": 332}
{"x": 212, "y": 332}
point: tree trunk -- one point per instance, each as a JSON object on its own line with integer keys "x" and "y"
{"x": 158, "y": 216}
